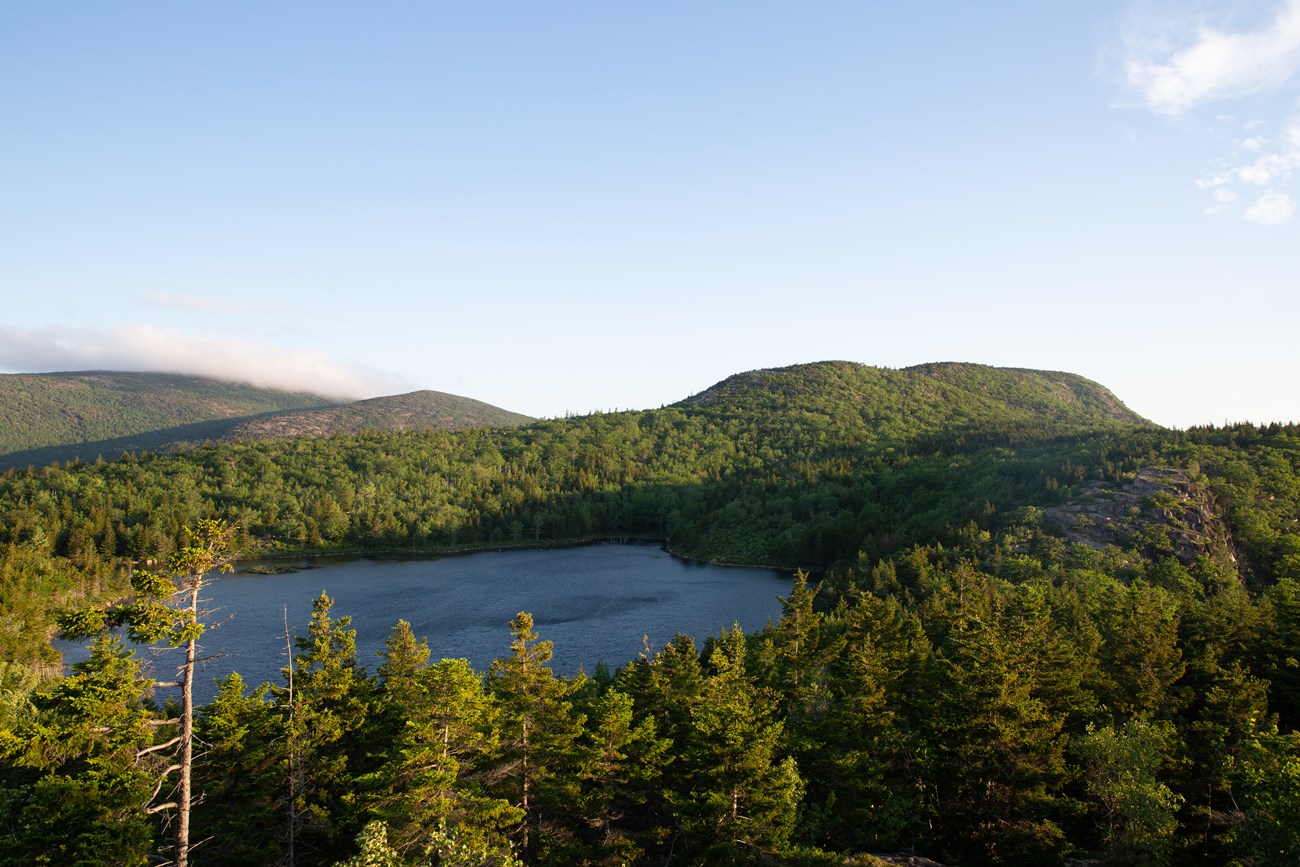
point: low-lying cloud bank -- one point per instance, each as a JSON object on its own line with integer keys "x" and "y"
{"x": 144, "y": 348}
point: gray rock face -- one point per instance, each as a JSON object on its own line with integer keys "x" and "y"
{"x": 1161, "y": 510}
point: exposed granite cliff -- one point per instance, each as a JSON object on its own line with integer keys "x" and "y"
{"x": 1161, "y": 511}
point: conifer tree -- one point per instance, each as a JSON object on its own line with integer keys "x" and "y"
{"x": 240, "y": 775}
{"x": 165, "y": 609}
{"x": 327, "y": 734}
{"x": 621, "y": 773}
{"x": 865, "y": 782}
{"x": 538, "y": 752}
{"x": 443, "y": 726}
{"x": 795, "y": 653}
{"x": 83, "y": 767}
{"x": 740, "y": 798}
{"x": 997, "y": 754}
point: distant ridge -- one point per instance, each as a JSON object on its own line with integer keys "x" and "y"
{"x": 39, "y": 410}
{"x": 416, "y": 411}
{"x": 84, "y": 415}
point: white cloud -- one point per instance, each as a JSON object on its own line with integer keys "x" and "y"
{"x": 1273, "y": 207}
{"x": 142, "y": 347}
{"x": 1179, "y": 62}
{"x": 1264, "y": 163}
{"x": 1270, "y": 168}
{"x": 1213, "y": 64}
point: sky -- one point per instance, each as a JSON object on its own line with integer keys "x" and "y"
{"x": 567, "y": 207}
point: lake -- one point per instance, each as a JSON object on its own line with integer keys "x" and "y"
{"x": 594, "y": 602}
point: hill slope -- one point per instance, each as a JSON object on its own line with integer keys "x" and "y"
{"x": 47, "y": 409}
{"x": 415, "y": 411}
{"x": 65, "y": 416}
{"x": 899, "y": 404}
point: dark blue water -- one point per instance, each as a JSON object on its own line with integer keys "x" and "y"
{"x": 595, "y": 603}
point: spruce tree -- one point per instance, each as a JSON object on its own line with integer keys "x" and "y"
{"x": 740, "y": 798}
{"x": 329, "y": 742}
{"x": 539, "y": 749}
{"x": 442, "y": 730}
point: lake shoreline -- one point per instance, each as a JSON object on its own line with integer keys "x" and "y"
{"x": 553, "y": 544}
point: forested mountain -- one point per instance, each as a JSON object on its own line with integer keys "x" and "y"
{"x": 882, "y": 403}
{"x": 50, "y": 417}
{"x": 1044, "y": 628}
{"x": 50, "y": 409}
{"x": 415, "y": 411}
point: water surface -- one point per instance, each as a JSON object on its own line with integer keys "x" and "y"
{"x": 599, "y": 602}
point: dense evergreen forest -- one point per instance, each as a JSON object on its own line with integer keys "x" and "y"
{"x": 1040, "y": 628}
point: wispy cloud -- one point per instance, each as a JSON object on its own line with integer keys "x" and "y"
{"x": 1177, "y": 71}
{"x": 142, "y": 347}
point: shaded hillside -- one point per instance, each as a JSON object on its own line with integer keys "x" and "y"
{"x": 38, "y": 410}
{"x": 62, "y": 417}
{"x": 416, "y": 411}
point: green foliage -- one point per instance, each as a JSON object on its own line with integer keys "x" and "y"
{"x": 539, "y": 750}
{"x": 1121, "y": 768}
{"x": 375, "y": 851}
{"x": 740, "y": 798}
{"x": 1268, "y": 775}
{"x": 240, "y": 776}
{"x": 329, "y": 742}
{"x": 77, "y": 774}
{"x": 444, "y": 733}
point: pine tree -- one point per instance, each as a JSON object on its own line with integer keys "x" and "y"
{"x": 997, "y": 754}
{"x": 794, "y": 656}
{"x": 240, "y": 776}
{"x": 328, "y": 739}
{"x": 165, "y": 609}
{"x": 740, "y": 798}
{"x": 621, "y": 774}
{"x": 82, "y": 767}
{"x": 443, "y": 725}
{"x": 865, "y": 783}
{"x": 539, "y": 732}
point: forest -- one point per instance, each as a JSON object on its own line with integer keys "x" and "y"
{"x": 1024, "y": 626}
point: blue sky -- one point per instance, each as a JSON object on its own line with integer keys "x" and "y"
{"x": 565, "y": 207}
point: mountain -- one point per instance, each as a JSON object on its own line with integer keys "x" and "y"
{"x": 39, "y": 410}
{"x": 928, "y": 398}
{"x": 416, "y": 411}
{"x": 51, "y": 417}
